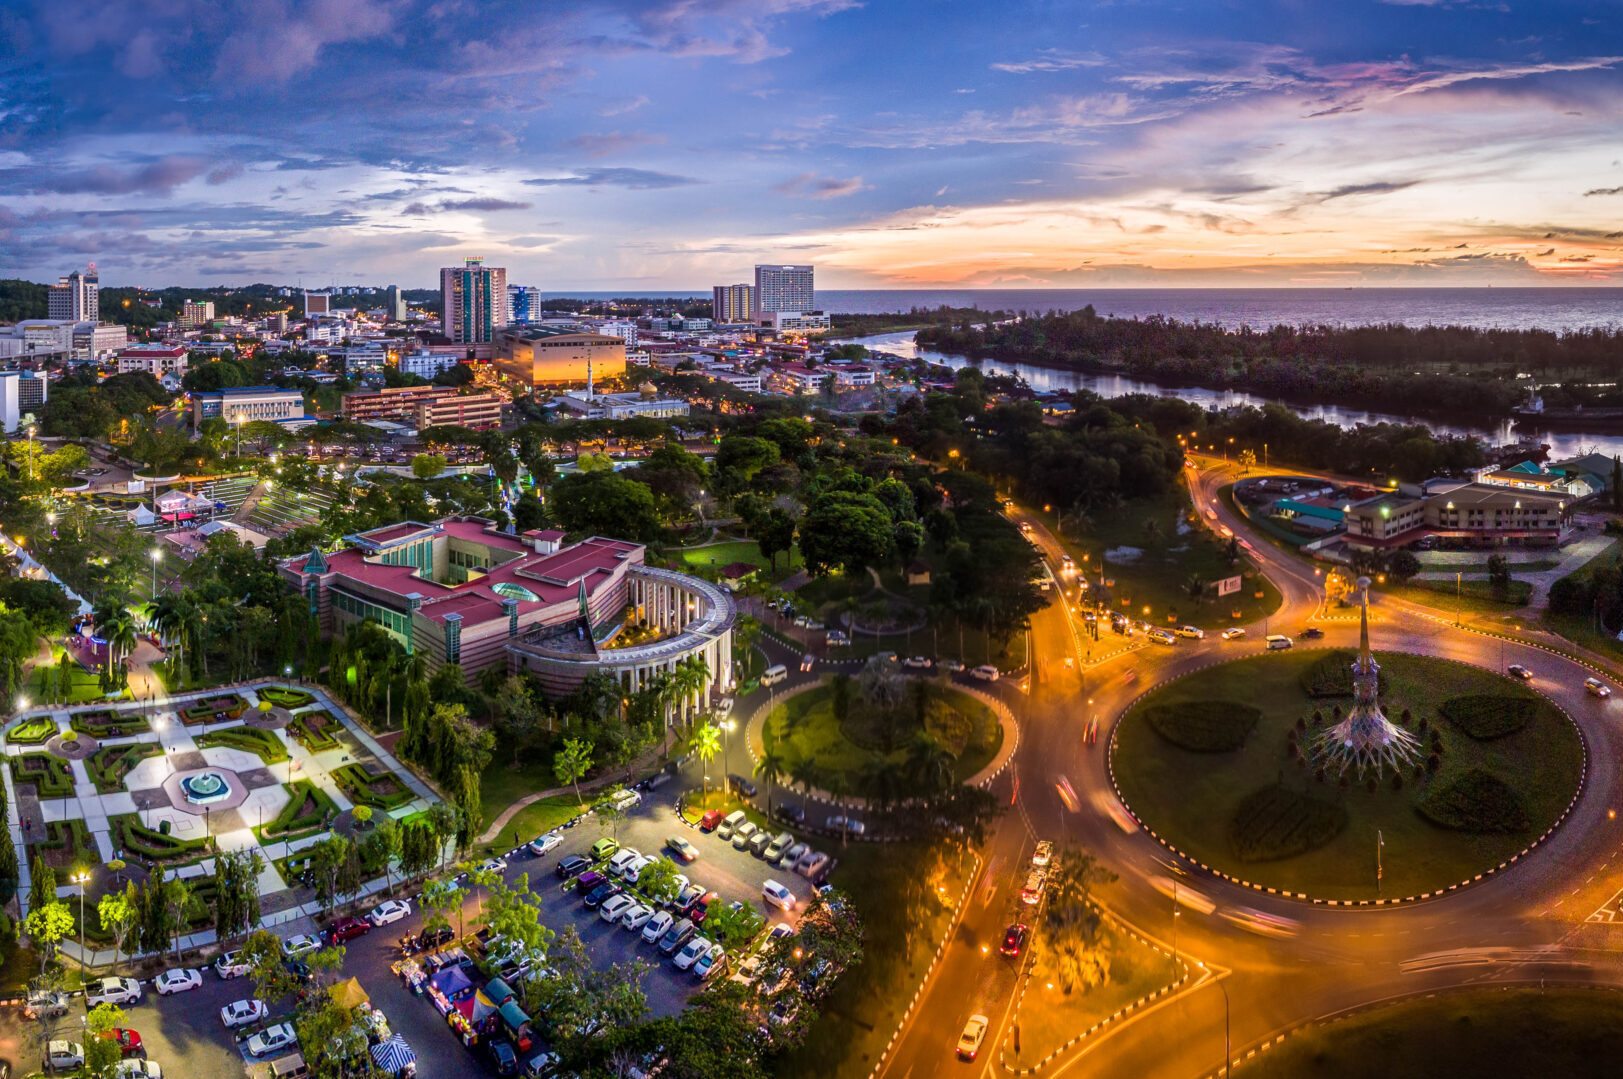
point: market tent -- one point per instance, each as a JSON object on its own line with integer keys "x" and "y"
{"x": 453, "y": 982}
{"x": 513, "y": 1016}
{"x": 393, "y": 1054}
{"x": 349, "y": 994}
{"x": 498, "y": 991}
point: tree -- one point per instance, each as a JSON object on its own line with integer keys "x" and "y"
{"x": 731, "y": 926}
{"x": 608, "y": 814}
{"x": 845, "y": 531}
{"x": 236, "y": 891}
{"x": 117, "y": 914}
{"x": 714, "y": 1037}
{"x": 775, "y": 533}
{"x": 657, "y": 880}
{"x": 443, "y": 822}
{"x": 425, "y": 466}
{"x": 47, "y": 925}
{"x": 439, "y": 898}
{"x": 1499, "y": 573}
{"x": 381, "y": 847}
{"x": 1617, "y": 485}
{"x": 771, "y": 768}
{"x": 176, "y": 899}
{"x": 706, "y": 745}
{"x": 101, "y": 1051}
{"x": 1403, "y": 565}
{"x": 606, "y": 504}
{"x": 571, "y": 763}
{"x": 519, "y": 716}
{"x": 262, "y": 952}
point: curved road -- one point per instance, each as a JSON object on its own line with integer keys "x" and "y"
{"x": 1529, "y": 923}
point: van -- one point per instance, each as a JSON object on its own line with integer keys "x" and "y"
{"x": 626, "y": 800}
{"x": 622, "y": 860}
{"x": 604, "y": 848}
{"x": 759, "y": 842}
{"x": 778, "y": 895}
{"x": 984, "y": 673}
{"x": 774, "y": 674}
{"x": 1277, "y": 641}
{"x": 780, "y": 843}
{"x": 729, "y": 823}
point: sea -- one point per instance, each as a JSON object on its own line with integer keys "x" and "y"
{"x": 1553, "y": 308}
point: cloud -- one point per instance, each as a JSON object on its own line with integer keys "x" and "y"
{"x": 1382, "y": 187}
{"x": 490, "y": 205}
{"x": 610, "y": 142}
{"x": 1051, "y": 60}
{"x": 1603, "y": 191}
{"x": 635, "y": 179}
{"x": 158, "y": 177}
{"x": 225, "y": 173}
{"x": 275, "y": 42}
{"x": 809, "y": 185}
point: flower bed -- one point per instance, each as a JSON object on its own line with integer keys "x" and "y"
{"x": 265, "y": 744}
{"x": 67, "y": 845}
{"x": 110, "y": 764}
{"x": 315, "y": 730}
{"x": 50, "y": 775}
{"x": 129, "y": 834}
{"x": 106, "y": 723}
{"x": 32, "y": 732}
{"x": 227, "y": 706}
{"x": 306, "y": 811}
{"x": 283, "y": 697}
{"x": 384, "y": 791}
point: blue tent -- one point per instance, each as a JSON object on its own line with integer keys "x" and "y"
{"x": 393, "y": 1055}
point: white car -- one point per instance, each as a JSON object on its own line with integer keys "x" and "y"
{"x": 388, "y": 912}
{"x": 271, "y": 1039}
{"x": 495, "y": 865}
{"x": 656, "y": 927}
{"x": 137, "y": 1069}
{"x": 1043, "y": 854}
{"x": 777, "y": 895}
{"x": 64, "y": 1056}
{"x": 230, "y": 965}
{"x": 614, "y": 906}
{"x": 303, "y": 944}
{"x": 112, "y": 991}
{"x": 693, "y": 951}
{"x": 713, "y": 960}
{"x": 969, "y": 1042}
{"x": 724, "y": 707}
{"x": 543, "y": 843}
{"x": 984, "y": 673}
{"x": 636, "y": 916}
{"x": 178, "y": 980}
{"x": 1233, "y": 633}
{"x": 1597, "y": 688}
{"x": 916, "y": 663}
{"x": 241, "y": 1012}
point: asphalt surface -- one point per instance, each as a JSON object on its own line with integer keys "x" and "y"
{"x": 1529, "y": 924}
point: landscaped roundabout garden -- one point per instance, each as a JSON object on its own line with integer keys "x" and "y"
{"x": 1225, "y": 765}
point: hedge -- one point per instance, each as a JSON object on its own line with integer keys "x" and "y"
{"x": 294, "y": 818}
{"x": 50, "y": 775}
{"x": 266, "y": 745}
{"x": 1488, "y": 716}
{"x": 285, "y": 697}
{"x": 1204, "y": 726}
{"x": 133, "y": 837}
{"x": 1274, "y": 823}
{"x": 71, "y": 835}
{"x": 110, "y": 764}
{"x": 204, "y": 711}
{"x": 1331, "y": 675}
{"x": 32, "y": 732}
{"x": 314, "y": 740}
{"x": 105, "y": 723}
{"x": 355, "y": 781}
{"x": 1476, "y": 801}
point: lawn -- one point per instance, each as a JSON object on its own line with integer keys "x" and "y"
{"x": 899, "y": 939}
{"x": 1504, "y": 1033}
{"x": 83, "y": 687}
{"x": 716, "y": 555}
{"x": 1581, "y": 629}
{"x": 1475, "y": 597}
{"x": 500, "y": 786}
{"x": 1194, "y": 798}
{"x": 534, "y": 819}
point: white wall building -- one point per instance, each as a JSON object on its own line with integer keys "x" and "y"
{"x": 625, "y": 331}
{"x": 76, "y": 297}
{"x": 783, "y": 288}
{"x": 21, "y": 392}
{"x": 425, "y": 364}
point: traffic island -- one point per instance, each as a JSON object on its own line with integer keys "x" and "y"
{"x": 1244, "y": 768}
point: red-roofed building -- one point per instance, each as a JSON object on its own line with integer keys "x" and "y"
{"x": 461, "y": 590}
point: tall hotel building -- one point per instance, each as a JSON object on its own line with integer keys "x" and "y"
{"x": 76, "y": 297}
{"x": 473, "y": 300}
{"x": 523, "y": 303}
{"x": 732, "y": 303}
{"x": 783, "y": 288}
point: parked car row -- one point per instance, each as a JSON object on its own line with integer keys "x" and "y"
{"x": 781, "y": 850}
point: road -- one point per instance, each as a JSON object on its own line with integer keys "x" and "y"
{"x": 1530, "y": 923}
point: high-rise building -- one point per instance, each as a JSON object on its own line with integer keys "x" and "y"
{"x": 195, "y": 313}
{"x": 783, "y": 288}
{"x": 76, "y": 297}
{"x": 625, "y": 331}
{"x": 733, "y": 303}
{"x": 473, "y": 302}
{"x": 21, "y": 392}
{"x": 523, "y": 303}
{"x": 395, "y": 304}
{"x": 317, "y": 303}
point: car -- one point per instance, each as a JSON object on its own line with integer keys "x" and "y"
{"x": 789, "y": 857}
{"x": 493, "y": 865}
{"x": 1312, "y": 633}
{"x": 1161, "y": 636}
{"x": 614, "y": 906}
{"x": 789, "y": 811}
{"x": 724, "y": 830}
{"x": 741, "y": 834}
{"x": 633, "y": 872}
{"x": 605, "y": 890}
{"x": 232, "y": 965}
{"x": 541, "y": 1064}
{"x": 622, "y": 860}
{"x": 985, "y": 673}
{"x": 916, "y": 663}
{"x": 47, "y": 1004}
{"x": 429, "y": 939}
{"x": 777, "y": 895}
{"x": 1192, "y": 631}
{"x": 775, "y": 850}
{"x": 807, "y": 661}
{"x": 129, "y": 1041}
{"x": 64, "y": 1055}
{"x": 1597, "y": 688}
{"x": 388, "y": 912}
{"x": 271, "y": 1039}
{"x": 1261, "y": 923}
{"x": 1025, "y": 526}
{"x": 657, "y": 926}
{"x": 969, "y": 1042}
{"x": 303, "y": 944}
{"x": 712, "y": 962}
{"x": 1043, "y": 854}
{"x": 572, "y": 866}
{"x": 742, "y": 785}
{"x": 242, "y": 1012}
{"x": 691, "y": 952}
{"x": 682, "y": 848}
{"x": 1516, "y": 670}
{"x": 700, "y": 907}
{"x": 541, "y": 844}
{"x": 112, "y": 991}
{"x": 1032, "y": 890}
{"x": 636, "y": 916}
{"x": 1014, "y": 939}
{"x": 951, "y": 666}
{"x": 847, "y": 825}
{"x": 811, "y": 864}
{"x": 686, "y": 896}
{"x": 137, "y": 1069}
{"x": 708, "y": 822}
{"x": 1279, "y": 642}
{"x": 1233, "y": 633}
{"x": 178, "y": 980}
{"x": 502, "y": 1056}
{"x": 724, "y": 707}
{"x": 345, "y": 929}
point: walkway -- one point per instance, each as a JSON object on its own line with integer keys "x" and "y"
{"x": 1573, "y": 557}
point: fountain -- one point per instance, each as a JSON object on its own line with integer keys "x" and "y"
{"x": 205, "y": 788}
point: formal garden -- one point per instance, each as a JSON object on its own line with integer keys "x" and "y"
{"x": 1227, "y": 765}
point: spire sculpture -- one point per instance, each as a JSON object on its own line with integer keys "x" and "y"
{"x": 1366, "y": 739}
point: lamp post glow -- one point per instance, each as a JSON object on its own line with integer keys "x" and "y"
{"x": 156, "y": 556}
{"x": 727, "y": 727}
{"x": 81, "y": 878}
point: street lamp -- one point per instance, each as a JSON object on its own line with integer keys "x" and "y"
{"x": 81, "y": 878}
{"x": 157, "y": 556}
{"x": 727, "y": 727}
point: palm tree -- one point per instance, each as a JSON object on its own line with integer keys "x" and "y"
{"x": 706, "y": 744}
{"x": 175, "y": 617}
{"x": 771, "y": 768}
{"x": 119, "y": 633}
{"x": 930, "y": 763}
{"x": 806, "y": 772}
{"x": 881, "y": 781}
{"x": 688, "y": 678}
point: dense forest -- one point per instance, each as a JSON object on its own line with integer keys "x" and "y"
{"x": 1458, "y": 370}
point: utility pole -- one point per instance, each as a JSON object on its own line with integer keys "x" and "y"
{"x": 1228, "y": 1053}
{"x": 1459, "y": 612}
{"x": 1379, "y": 872}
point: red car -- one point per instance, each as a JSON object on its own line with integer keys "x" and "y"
{"x": 1014, "y": 940}
{"x": 129, "y": 1042}
{"x": 347, "y": 929}
{"x": 700, "y": 906}
{"x": 708, "y": 822}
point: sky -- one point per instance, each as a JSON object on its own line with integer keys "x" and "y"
{"x": 673, "y": 144}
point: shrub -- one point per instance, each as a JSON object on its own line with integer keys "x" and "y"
{"x": 32, "y": 732}
{"x": 266, "y": 745}
{"x": 110, "y": 764}
{"x": 229, "y": 705}
{"x": 306, "y": 810}
{"x": 1274, "y": 823}
{"x": 384, "y": 791}
{"x": 286, "y": 697}
{"x": 1204, "y": 726}
{"x": 311, "y": 730}
{"x": 1331, "y": 675}
{"x": 50, "y": 776}
{"x": 106, "y": 723}
{"x": 1476, "y": 801}
{"x": 148, "y": 843}
{"x": 1488, "y": 716}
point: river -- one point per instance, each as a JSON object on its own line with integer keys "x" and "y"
{"x": 1562, "y": 445}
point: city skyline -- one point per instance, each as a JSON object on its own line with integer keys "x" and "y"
{"x": 674, "y": 145}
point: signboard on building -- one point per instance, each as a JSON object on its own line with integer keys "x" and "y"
{"x": 1228, "y": 586}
